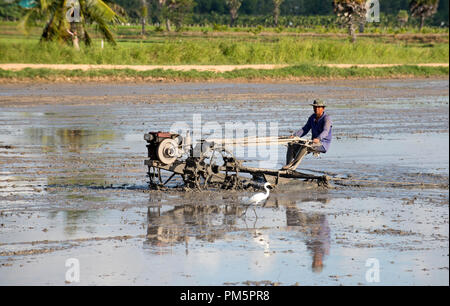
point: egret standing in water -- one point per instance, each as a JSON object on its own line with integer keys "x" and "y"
{"x": 258, "y": 198}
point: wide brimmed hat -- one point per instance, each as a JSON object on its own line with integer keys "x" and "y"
{"x": 318, "y": 103}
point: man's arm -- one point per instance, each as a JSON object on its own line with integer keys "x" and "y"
{"x": 305, "y": 130}
{"x": 326, "y": 128}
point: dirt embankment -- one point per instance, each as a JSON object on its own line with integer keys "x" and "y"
{"x": 211, "y": 68}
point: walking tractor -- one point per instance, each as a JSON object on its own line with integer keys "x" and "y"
{"x": 210, "y": 163}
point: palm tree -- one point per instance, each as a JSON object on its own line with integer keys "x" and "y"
{"x": 233, "y": 6}
{"x": 178, "y": 10}
{"x": 276, "y": 10}
{"x": 67, "y": 20}
{"x": 423, "y": 9}
{"x": 351, "y": 13}
{"x": 144, "y": 15}
{"x": 163, "y": 12}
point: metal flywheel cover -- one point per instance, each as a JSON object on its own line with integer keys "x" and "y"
{"x": 167, "y": 151}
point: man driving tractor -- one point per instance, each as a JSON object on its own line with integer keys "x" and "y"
{"x": 320, "y": 126}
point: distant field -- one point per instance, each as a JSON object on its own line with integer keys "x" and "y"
{"x": 228, "y": 46}
{"x": 300, "y": 49}
{"x": 221, "y": 51}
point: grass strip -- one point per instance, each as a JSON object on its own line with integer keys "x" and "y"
{"x": 292, "y": 72}
{"x": 223, "y": 51}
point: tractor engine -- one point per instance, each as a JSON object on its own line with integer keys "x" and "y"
{"x": 164, "y": 147}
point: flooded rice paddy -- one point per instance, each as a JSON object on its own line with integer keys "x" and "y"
{"x": 73, "y": 185}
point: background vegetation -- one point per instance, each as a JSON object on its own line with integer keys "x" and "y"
{"x": 308, "y": 34}
{"x": 253, "y": 12}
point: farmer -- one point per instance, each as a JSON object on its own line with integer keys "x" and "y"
{"x": 320, "y": 125}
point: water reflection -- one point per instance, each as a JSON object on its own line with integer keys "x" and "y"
{"x": 52, "y": 157}
{"x": 176, "y": 225}
{"x": 69, "y": 139}
{"x": 204, "y": 222}
{"x": 76, "y": 220}
{"x": 73, "y": 144}
{"x": 315, "y": 232}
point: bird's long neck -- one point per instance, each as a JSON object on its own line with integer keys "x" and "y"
{"x": 267, "y": 190}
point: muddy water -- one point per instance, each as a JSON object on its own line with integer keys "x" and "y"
{"x": 73, "y": 185}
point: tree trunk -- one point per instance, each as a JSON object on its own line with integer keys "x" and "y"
{"x": 422, "y": 22}
{"x": 362, "y": 26}
{"x": 46, "y": 32}
{"x": 144, "y": 16}
{"x": 168, "y": 27}
{"x": 233, "y": 14}
{"x": 352, "y": 32}
{"x": 143, "y": 27}
{"x": 276, "y": 14}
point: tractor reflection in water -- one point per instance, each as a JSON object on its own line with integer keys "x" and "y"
{"x": 178, "y": 225}
{"x": 209, "y": 223}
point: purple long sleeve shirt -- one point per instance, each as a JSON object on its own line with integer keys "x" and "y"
{"x": 320, "y": 129}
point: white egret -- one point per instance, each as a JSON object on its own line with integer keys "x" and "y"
{"x": 260, "y": 197}
{"x": 257, "y": 198}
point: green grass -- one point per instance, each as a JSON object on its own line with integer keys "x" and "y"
{"x": 210, "y": 45}
{"x": 215, "y": 51}
{"x": 305, "y": 71}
